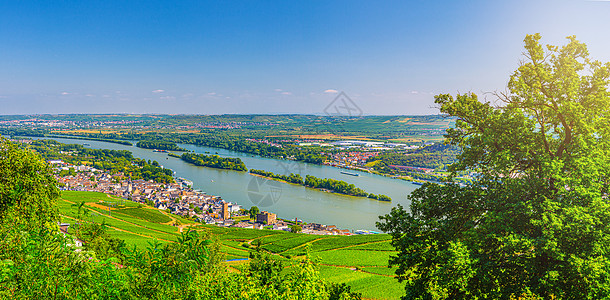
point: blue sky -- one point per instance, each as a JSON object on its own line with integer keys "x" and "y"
{"x": 212, "y": 57}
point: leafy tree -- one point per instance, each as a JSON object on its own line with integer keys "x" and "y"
{"x": 534, "y": 224}
{"x": 97, "y": 240}
{"x": 296, "y": 229}
{"x": 27, "y": 189}
{"x": 339, "y": 290}
{"x": 265, "y": 268}
{"x": 253, "y": 212}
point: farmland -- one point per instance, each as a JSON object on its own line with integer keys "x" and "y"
{"x": 359, "y": 261}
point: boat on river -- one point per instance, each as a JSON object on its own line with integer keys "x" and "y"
{"x": 349, "y": 173}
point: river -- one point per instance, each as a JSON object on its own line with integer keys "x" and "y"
{"x": 288, "y": 201}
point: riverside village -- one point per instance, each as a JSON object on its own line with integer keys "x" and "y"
{"x": 181, "y": 199}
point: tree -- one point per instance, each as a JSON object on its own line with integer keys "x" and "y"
{"x": 253, "y": 212}
{"x": 296, "y": 229}
{"x": 338, "y": 291}
{"x": 265, "y": 268}
{"x": 28, "y": 191}
{"x": 535, "y": 221}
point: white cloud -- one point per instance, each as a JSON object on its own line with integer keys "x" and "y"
{"x": 65, "y": 93}
{"x": 167, "y": 98}
{"x": 278, "y": 90}
{"x": 286, "y": 93}
{"x": 158, "y": 91}
{"x": 331, "y": 91}
{"x": 212, "y": 93}
{"x": 414, "y": 92}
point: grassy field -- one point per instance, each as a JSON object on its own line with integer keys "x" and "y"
{"x": 359, "y": 261}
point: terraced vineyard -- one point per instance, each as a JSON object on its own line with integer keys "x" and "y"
{"x": 359, "y": 261}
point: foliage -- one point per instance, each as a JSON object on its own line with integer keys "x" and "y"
{"x": 264, "y": 268}
{"x": 27, "y": 191}
{"x": 214, "y": 161}
{"x": 296, "y": 229}
{"x": 51, "y": 267}
{"x": 535, "y": 222}
{"x": 253, "y": 212}
{"x": 97, "y": 240}
{"x": 338, "y": 290}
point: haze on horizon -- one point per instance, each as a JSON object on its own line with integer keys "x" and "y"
{"x": 253, "y": 57}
